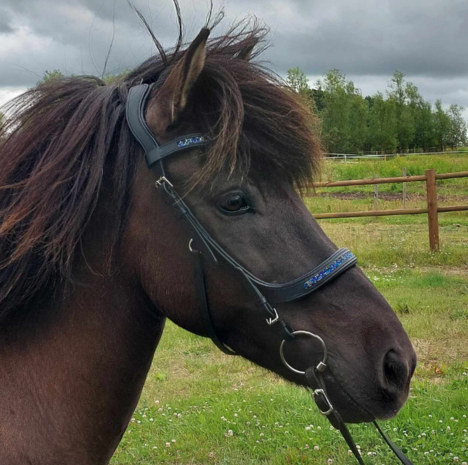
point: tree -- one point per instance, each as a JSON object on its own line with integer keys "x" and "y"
{"x": 405, "y": 124}
{"x": 441, "y": 123}
{"x": 402, "y": 120}
{"x": 382, "y": 133}
{"x": 344, "y": 113}
{"x": 457, "y": 126}
{"x": 421, "y": 115}
{"x": 51, "y": 76}
{"x": 298, "y": 81}
{"x": 358, "y": 117}
{"x": 335, "y": 114}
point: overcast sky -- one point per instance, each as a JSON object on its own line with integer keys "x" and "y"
{"x": 366, "y": 39}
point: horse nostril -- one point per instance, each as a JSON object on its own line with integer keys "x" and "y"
{"x": 395, "y": 371}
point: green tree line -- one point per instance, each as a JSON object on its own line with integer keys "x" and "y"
{"x": 399, "y": 120}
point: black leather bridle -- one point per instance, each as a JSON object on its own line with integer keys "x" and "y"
{"x": 266, "y": 293}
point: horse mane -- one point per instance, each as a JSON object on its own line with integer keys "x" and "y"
{"x": 66, "y": 140}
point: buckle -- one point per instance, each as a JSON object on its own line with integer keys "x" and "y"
{"x": 321, "y": 367}
{"x": 192, "y": 250}
{"x": 322, "y": 395}
{"x": 162, "y": 181}
{"x": 271, "y": 321}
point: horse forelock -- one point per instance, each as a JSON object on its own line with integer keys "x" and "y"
{"x": 67, "y": 138}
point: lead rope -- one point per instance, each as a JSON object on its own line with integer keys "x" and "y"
{"x": 317, "y": 384}
{"x": 396, "y": 450}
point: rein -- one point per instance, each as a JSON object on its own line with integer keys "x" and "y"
{"x": 266, "y": 293}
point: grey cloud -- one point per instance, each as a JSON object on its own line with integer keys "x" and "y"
{"x": 360, "y": 37}
{"x": 427, "y": 40}
{"x": 5, "y": 22}
{"x": 368, "y": 37}
{"x": 76, "y": 37}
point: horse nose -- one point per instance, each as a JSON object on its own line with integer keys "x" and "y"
{"x": 398, "y": 368}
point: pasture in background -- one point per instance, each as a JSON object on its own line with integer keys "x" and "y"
{"x": 200, "y": 406}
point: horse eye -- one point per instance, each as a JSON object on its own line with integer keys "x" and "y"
{"x": 234, "y": 203}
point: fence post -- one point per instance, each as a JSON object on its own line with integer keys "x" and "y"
{"x": 432, "y": 215}
{"x": 376, "y": 195}
{"x": 404, "y": 189}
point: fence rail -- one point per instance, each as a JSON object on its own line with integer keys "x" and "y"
{"x": 432, "y": 209}
{"x": 355, "y": 156}
{"x": 364, "y": 182}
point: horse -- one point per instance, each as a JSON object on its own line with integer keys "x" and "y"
{"x": 94, "y": 259}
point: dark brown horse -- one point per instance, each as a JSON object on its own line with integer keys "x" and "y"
{"x": 93, "y": 260}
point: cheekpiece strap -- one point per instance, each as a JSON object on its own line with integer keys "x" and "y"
{"x": 154, "y": 152}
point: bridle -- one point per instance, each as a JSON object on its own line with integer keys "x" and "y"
{"x": 266, "y": 293}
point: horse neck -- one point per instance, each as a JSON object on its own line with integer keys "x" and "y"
{"x": 72, "y": 373}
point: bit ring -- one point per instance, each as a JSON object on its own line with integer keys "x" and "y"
{"x": 320, "y": 367}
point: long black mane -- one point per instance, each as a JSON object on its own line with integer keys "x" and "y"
{"x": 66, "y": 139}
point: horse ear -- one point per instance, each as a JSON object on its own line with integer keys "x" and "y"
{"x": 246, "y": 53}
{"x": 172, "y": 97}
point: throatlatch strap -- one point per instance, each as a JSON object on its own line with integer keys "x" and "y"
{"x": 204, "y": 306}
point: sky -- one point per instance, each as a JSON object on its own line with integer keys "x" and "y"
{"x": 365, "y": 39}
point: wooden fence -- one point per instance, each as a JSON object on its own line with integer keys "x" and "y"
{"x": 378, "y": 155}
{"x": 432, "y": 209}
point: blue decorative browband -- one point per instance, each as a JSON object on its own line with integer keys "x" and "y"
{"x": 190, "y": 141}
{"x": 336, "y": 264}
{"x": 329, "y": 269}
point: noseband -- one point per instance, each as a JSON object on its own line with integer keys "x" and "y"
{"x": 266, "y": 293}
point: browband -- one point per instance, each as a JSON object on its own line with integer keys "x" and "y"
{"x": 136, "y": 100}
{"x": 336, "y": 264}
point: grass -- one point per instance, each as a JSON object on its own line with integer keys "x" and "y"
{"x": 393, "y": 167}
{"x": 415, "y": 165}
{"x": 202, "y": 407}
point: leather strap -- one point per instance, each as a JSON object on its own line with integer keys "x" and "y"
{"x": 314, "y": 279}
{"x": 135, "y": 114}
{"x": 398, "y": 452}
{"x": 200, "y": 285}
{"x": 316, "y": 382}
{"x": 154, "y": 152}
{"x": 296, "y": 289}
{"x": 177, "y": 145}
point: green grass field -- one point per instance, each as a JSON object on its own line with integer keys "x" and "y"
{"x": 202, "y": 407}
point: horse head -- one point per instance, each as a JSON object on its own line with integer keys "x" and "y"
{"x": 238, "y": 178}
